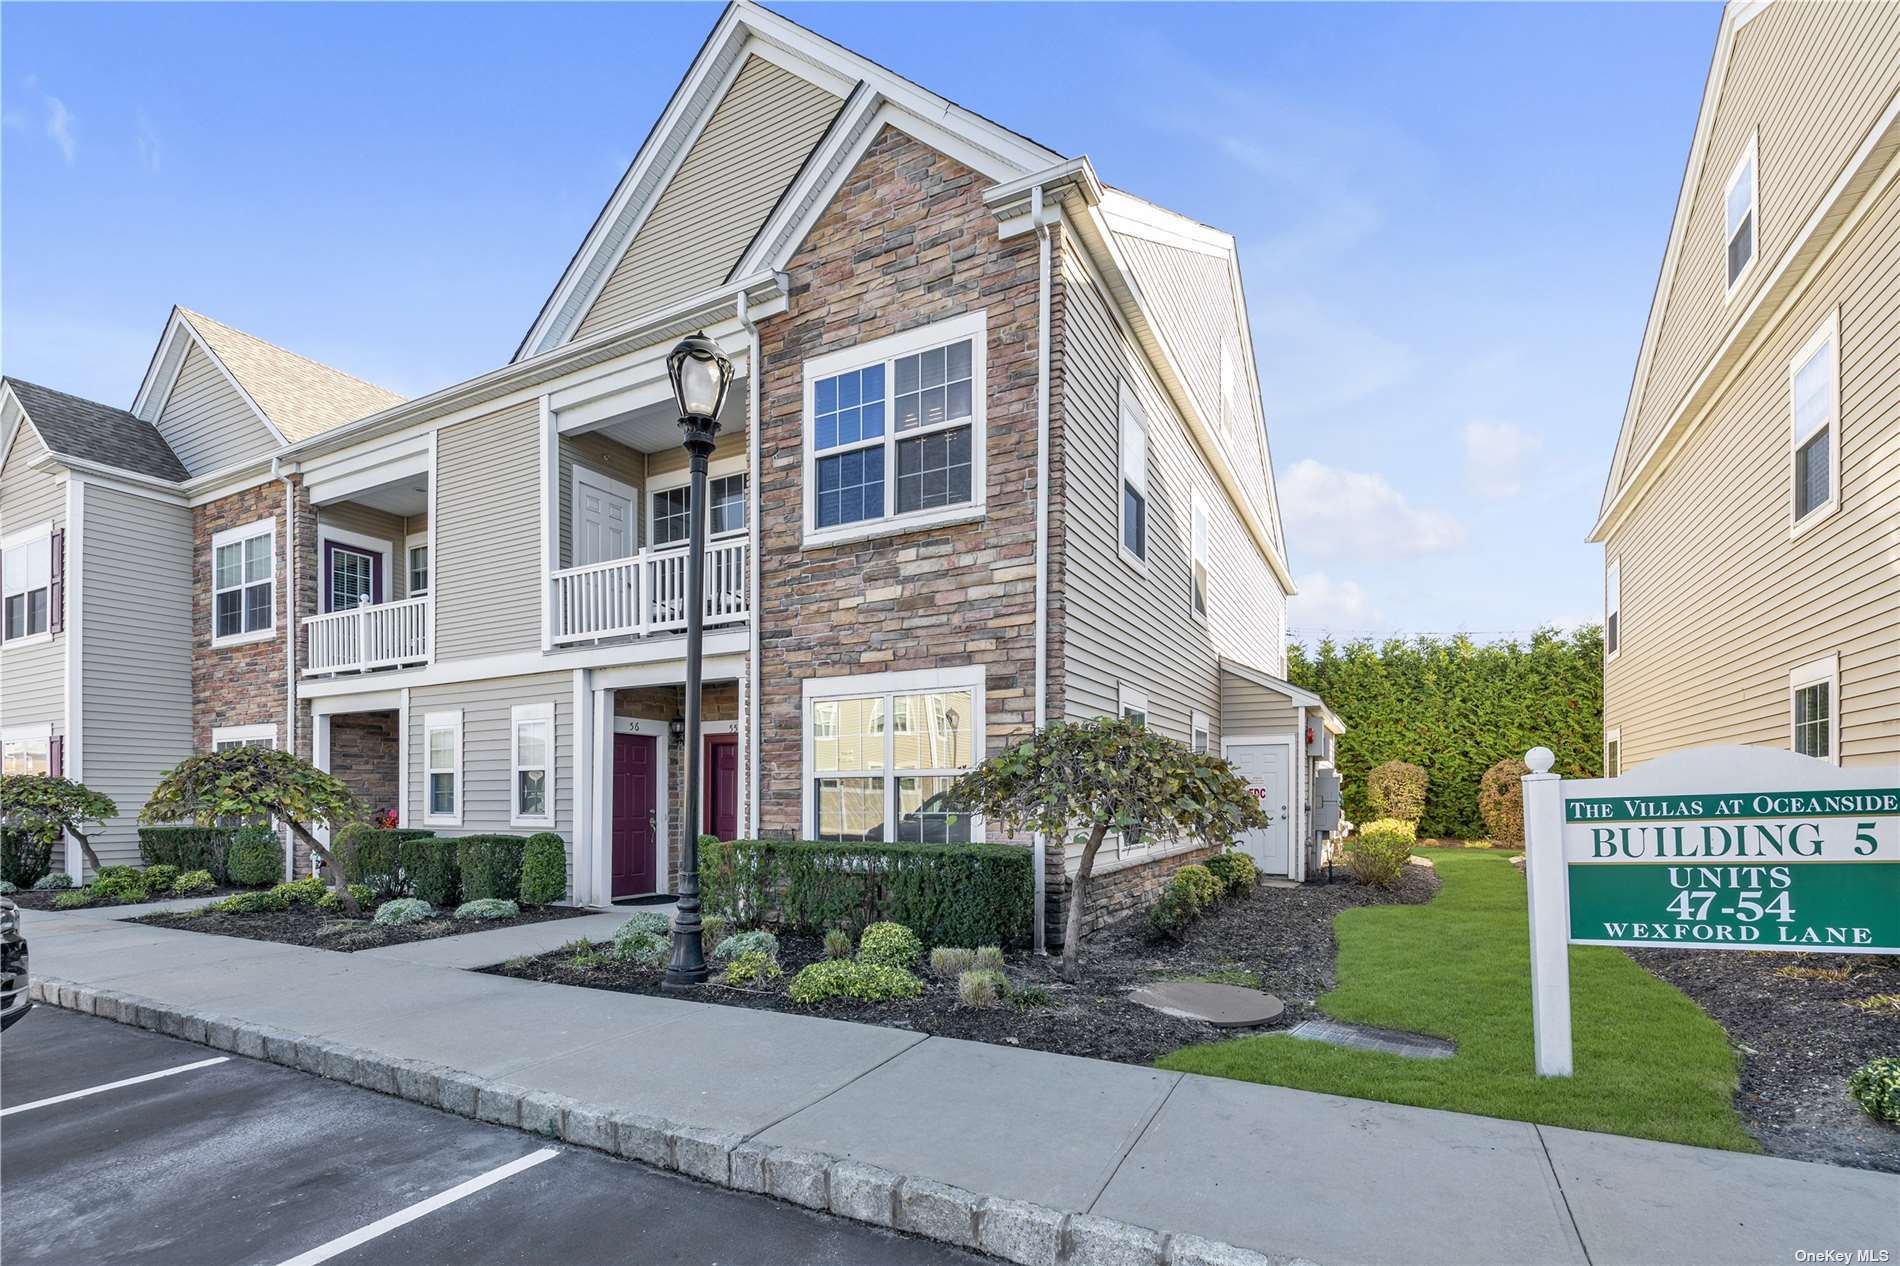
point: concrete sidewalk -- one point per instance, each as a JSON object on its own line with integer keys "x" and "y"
{"x": 1032, "y": 1156}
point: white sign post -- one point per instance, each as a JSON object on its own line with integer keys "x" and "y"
{"x": 1548, "y": 878}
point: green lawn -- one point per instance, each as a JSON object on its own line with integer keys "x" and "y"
{"x": 1648, "y": 1061}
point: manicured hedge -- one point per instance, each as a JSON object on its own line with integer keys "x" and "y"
{"x": 491, "y": 866}
{"x": 367, "y": 852}
{"x": 26, "y": 857}
{"x": 187, "y": 847}
{"x": 256, "y": 857}
{"x": 543, "y": 869}
{"x": 949, "y": 894}
{"x": 430, "y": 869}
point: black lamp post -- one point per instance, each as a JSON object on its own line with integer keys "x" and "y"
{"x": 701, "y": 375}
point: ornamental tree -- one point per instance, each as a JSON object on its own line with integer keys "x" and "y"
{"x": 1082, "y": 779}
{"x": 248, "y": 783}
{"x": 55, "y": 805}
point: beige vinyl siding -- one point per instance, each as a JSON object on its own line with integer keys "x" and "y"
{"x": 1249, "y": 708}
{"x": 1124, "y": 625}
{"x": 752, "y": 146}
{"x": 32, "y": 678}
{"x": 1811, "y": 78}
{"x": 487, "y": 773}
{"x": 672, "y": 458}
{"x": 380, "y": 525}
{"x": 1718, "y": 604}
{"x": 608, "y": 457}
{"x": 486, "y": 567}
{"x": 136, "y": 654}
{"x": 205, "y": 420}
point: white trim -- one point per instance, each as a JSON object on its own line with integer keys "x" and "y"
{"x": 1745, "y": 12}
{"x": 40, "y": 531}
{"x": 719, "y": 468}
{"x": 582, "y": 826}
{"x": 597, "y": 843}
{"x": 170, "y": 358}
{"x": 1613, "y": 606}
{"x": 1198, "y": 725}
{"x": 1823, "y": 671}
{"x": 72, "y": 580}
{"x": 244, "y": 734}
{"x": 548, "y": 455}
{"x": 973, "y": 326}
{"x": 1613, "y": 738}
{"x": 1130, "y": 699}
{"x": 966, "y": 677}
{"x": 38, "y": 732}
{"x": 656, "y": 661}
{"x": 1826, "y": 336}
{"x": 411, "y": 542}
{"x": 233, "y": 536}
{"x": 434, "y": 560}
{"x": 658, "y": 731}
{"x": 404, "y": 816}
{"x": 531, "y": 714}
{"x": 362, "y": 544}
{"x": 1128, "y": 411}
{"x": 449, "y": 719}
{"x": 602, "y": 482}
{"x": 1749, "y": 159}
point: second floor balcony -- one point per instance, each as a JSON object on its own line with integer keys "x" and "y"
{"x": 645, "y": 593}
{"x": 369, "y": 636}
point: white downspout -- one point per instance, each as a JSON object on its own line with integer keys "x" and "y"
{"x": 753, "y": 728}
{"x": 1296, "y": 868}
{"x": 290, "y": 631}
{"x": 1041, "y": 847}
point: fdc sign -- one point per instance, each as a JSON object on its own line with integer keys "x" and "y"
{"x": 1739, "y": 848}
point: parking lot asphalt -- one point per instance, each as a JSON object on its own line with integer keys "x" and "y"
{"x": 249, "y": 1164}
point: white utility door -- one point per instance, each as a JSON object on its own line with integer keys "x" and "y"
{"x": 603, "y": 523}
{"x": 1266, "y": 768}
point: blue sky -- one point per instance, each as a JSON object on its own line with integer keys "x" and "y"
{"x": 1450, "y": 218}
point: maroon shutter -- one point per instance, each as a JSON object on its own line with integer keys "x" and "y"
{"x": 56, "y": 592}
{"x": 56, "y": 756}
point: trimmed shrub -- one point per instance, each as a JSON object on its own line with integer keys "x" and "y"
{"x": 651, "y": 921}
{"x": 193, "y": 882}
{"x": 403, "y": 910}
{"x": 430, "y": 869}
{"x": 490, "y": 865}
{"x": 949, "y": 962}
{"x": 160, "y": 878}
{"x": 72, "y": 900}
{"x": 267, "y": 901}
{"x": 988, "y": 958}
{"x": 1501, "y": 800}
{"x": 890, "y": 944}
{"x": 1190, "y": 892}
{"x": 7, "y": 888}
{"x": 860, "y": 982}
{"x": 54, "y": 881}
{"x": 1875, "y": 1086}
{"x": 948, "y": 894}
{"x": 643, "y": 947}
{"x": 837, "y": 943}
{"x": 364, "y": 898}
{"x": 488, "y": 908}
{"x": 739, "y": 943}
{"x": 256, "y": 857}
{"x": 979, "y": 989}
{"x": 187, "y": 847}
{"x": 1236, "y": 871}
{"x": 1378, "y": 853}
{"x": 1397, "y": 789}
{"x": 26, "y": 855}
{"x": 118, "y": 883}
{"x": 752, "y": 968}
{"x": 372, "y": 855}
{"x": 301, "y": 892}
{"x": 543, "y": 869}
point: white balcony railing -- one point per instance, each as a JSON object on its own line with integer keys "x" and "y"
{"x": 646, "y": 593}
{"x": 378, "y": 635}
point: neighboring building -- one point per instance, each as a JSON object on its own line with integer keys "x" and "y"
{"x": 994, "y": 456}
{"x": 1751, "y": 522}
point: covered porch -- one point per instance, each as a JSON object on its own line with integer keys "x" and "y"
{"x": 1280, "y": 738}
{"x": 370, "y": 558}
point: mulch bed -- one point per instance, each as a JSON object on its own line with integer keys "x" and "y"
{"x": 324, "y": 929}
{"x": 34, "y": 899}
{"x": 1282, "y": 935}
{"x": 1799, "y": 1041}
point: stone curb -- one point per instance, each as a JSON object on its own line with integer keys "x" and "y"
{"x": 1015, "y": 1231}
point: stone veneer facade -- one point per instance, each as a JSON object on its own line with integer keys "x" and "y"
{"x": 365, "y": 752}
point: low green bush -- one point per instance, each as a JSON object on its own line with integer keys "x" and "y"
{"x": 301, "y": 892}
{"x": 160, "y": 878}
{"x": 752, "y": 968}
{"x": 488, "y": 908}
{"x": 430, "y": 869}
{"x": 980, "y": 989}
{"x": 860, "y": 982}
{"x": 7, "y": 888}
{"x": 1397, "y": 789}
{"x": 837, "y": 943}
{"x": 265, "y": 901}
{"x": 1875, "y": 1086}
{"x": 372, "y": 855}
{"x": 543, "y": 869}
{"x": 256, "y": 857}
{"x": 1236, "y": 872}
{"x": 193, "y": 882}
{"x": 403, "y": 910}
{"x": 948, "y": 962}
{"x": 26, "y": 854}
{"x": 54, "y": 881}
{"x": 490, "y": 866}
{"x": 187, "y": 847}
{"x": 890, "y": 944}
{"x": 118, "y": 883}
{"x": 1190, "y": 891}
{"x": 753, "y": 942}
{"x": 642, "y": 947}
{"x": 72, "y": 899}
{"x": 1377, "y": 854}
{"x": 651, "y": 921}
{"x": 361, "y": 893}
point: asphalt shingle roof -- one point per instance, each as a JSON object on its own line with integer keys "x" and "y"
{"x": 76, "y": 427}
{"x": 301, "y": 397}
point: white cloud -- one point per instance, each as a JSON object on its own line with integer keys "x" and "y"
{"x": 1495, "y": 453}
{"x": 1324, "y": 604}
{"x": 1315, "y": 358}
{"x": 59, "y": 128}
{"x": 1355, "y": 514}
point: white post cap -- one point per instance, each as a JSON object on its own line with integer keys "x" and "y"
{"x": 1540, "y": 759}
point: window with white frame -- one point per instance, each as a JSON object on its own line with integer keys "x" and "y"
{"x": 1613, "y": 608}
{"x": 672, "y": 512}
{"x": 869, "y": 781}
{"x": 1813, "y": 708}
{"x": 1134, "y": 478}
{"x": 1133, "y": 705}
{"x": 418, "y": 565}
{"x": 1197, "y": 557}
{"x": 226, "y": 737}
{"x": 26, "y": 576}
{"x": 1814, "y": 386}
{"x": 725, "y": 505}
{"x": 27, "y": 750}
{"x": 244, "y": 582}
{"x": 442, "y": 768}
{"x": 894, "y": 430}
{"x": 531, "y": 747}
{"x": 1740, "y": 216}
{"x": 1613, "y": 754}
{"x": 1197, "y": 733}
{"x": 672, "y": 515}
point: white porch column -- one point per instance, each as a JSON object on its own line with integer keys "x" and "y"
{"x": 583, "y": 829}
{"x": 320, "y": 757}
{"x": 748, "y": 825}
{"x": 600, "y": 851}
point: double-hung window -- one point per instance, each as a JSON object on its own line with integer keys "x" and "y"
{"x": 531, "y": 748}
{"x": 1740, "y": 215}
{"x": 1197, "y": 733}
{"x": 244, "y": 582}
{"x": 1134, "y": 707}
{"x": 1197, "y": 557}
{"x": 1813, "y": 710}
{"x": 27, "y": 750}
{"x": 673, "y": 516}
{"x": 894, "y": 432}
{"x": 871, "y": 781}
{"x": 27, "y": 564}
{"x": 418, "y": 563}
{"x": 1613, "y": 754}
{"x": 1613, "y": 608}
{"x": 1814, "y": 385}
{"x": 442, "y": 768}
{"x": 725, "y": 505}
{"x": 1134, "y": 479}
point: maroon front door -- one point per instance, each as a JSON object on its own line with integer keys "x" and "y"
{"x": 635, "y": 859}
{"x": 722, "y": 786}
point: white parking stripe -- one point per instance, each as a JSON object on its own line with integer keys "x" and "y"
{"x": 402, "y": 1217}
{"x": 113, "y": 1085}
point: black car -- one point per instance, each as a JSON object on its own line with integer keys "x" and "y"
{"x": 13, "y": 1000}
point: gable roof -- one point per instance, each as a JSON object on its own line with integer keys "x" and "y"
{"x": 296, "y": 395}
{"x": 72, "y": 426}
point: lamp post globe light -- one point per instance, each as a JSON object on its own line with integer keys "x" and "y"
{"x": 701, "y": 376}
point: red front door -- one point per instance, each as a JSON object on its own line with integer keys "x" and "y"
{"x": 636, "y": 868}
{"x": 721, "y": 812}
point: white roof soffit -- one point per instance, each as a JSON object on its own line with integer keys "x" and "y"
{"x": 1247, "y": 672}
{"x": 745, "y": 28}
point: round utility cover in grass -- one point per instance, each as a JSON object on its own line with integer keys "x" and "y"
{"x": 1223, "y": 1006}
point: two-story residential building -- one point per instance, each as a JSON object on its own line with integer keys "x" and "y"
{"x": 994, "y": 456}
{"x": 1751, "y": 521}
